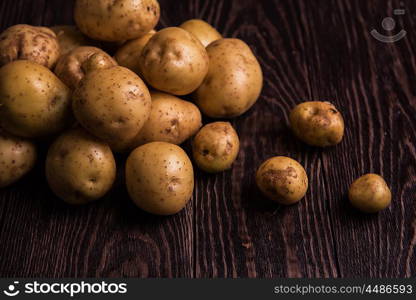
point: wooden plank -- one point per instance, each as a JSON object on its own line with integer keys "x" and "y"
{"x": 319, "y": 50}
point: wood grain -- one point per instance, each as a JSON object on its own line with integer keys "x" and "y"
{"x": 309, "y": 50}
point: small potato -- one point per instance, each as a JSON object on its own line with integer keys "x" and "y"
{"x": 25, "y": 42}
{"x": 72, "y": 67}
{"x": 370, "y": 193}
{"x": 69, "y": 37}
{"x": 33, "y": 101}
{"x": 317, "y": 123}
{"x": 215, "y": 147}
{"x": 128, "y": 55}
{"x": 174, "y": 61}
{"x": 111, "y": 21}
{"x": 160, "y": 178}
{"x": 17, "y": 158}
{"x": 79, "y": 167}
{"x": 171, "y": 120}
{"x": 234, "y": 80}
{"x": 202, "y": 30}
{"x": 113, "y": 104}
{"x": 283, "y": 180}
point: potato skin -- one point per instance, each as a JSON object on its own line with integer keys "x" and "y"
{"x": 370, "y": 193}
{"x": 33, "y": 101}
{"x": 111, "y": 21}
{"x": 17, "y": 158}
{"x": 160, "y": 178}
{"x": 128, "y": 54}
{"x": 79, "y": 167}
{"x": 234, "y": 80}
{"x": 202, "y": 30}
{"x": 174, "y": 61}
{"x": 215, "y": 147}
{"x": 171, "y": 120}
{"x": 72, "y": 67}
{"x": 112, "y": 104}
{"x": 317, "y": 123}
{"x": 69, "y": 37}
{"x": 25, "y": 42}
{"x": 282, "y": 179}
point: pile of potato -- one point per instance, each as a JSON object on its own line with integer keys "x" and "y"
{"x": 60, "y": 82}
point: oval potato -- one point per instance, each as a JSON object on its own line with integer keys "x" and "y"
{"x": 73, "y": 66}
{"x": 79, "y": 167}
{"x": 234, "y": 80}
{"x": 17, "y": 158}
{"x": 160, "y": 178}
{"x": 26, "y": 42}
{"x": 33, "y": 101}
{"x": 171, "y": 120}
{"x": 111, "y": 21}
{"x": 174, "y": 61}
{"x": 215, "y": 147}
{"x": 202, "y": 30}
{"x": 282, "y": 179}
{"x": 317, "y": 123}
{"x": 112, "y": 104}
{"x": 370, "y": 193}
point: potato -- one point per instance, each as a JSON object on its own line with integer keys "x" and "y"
{"x": 159, "y": 178}
{"x": 109, "y": 20}
{"x": 25, "y": 42}
{"x": 234, "y": 80}
{"x": 282, "y": 179}
{"x": 370, "y": 193}
{"x": 174, "y": 61}
{"x": 317, "y": 123}
{"x": 171, "y": 120}
{"x": 33, "y": 101}
{"x": 17, "y": 158}
{"x": 69, "y": 37}
{"x": 72, "y": 67}
{"x": 215, "y": 147}
{"x": 128, "y": 55}
{"x": 113, "y": 104}
{"x": 79, "y": 167}
{"x": 202, "y": 30}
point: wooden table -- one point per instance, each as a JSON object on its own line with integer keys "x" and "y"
{"x": 310, "y": 49}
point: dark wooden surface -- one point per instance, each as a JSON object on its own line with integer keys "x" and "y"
{"x": 308, "y": 49}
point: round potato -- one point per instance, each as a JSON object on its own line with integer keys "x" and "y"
{"x": 370, "y": 193}
{"x": 160, "y": 178}
{"x": 205, "y": 33}
{"x": 174, "y": 61}
{"x": 317, "y": 123}
{"x": 17, "y": 158}
{"x": 109, "y": 20}
{"x": 69, "y": 37}
{"x": 215, "y": 147}
{"x": 113, "y": 104}
{"x": 128, "y": 55}
{"x": 282, "y": 179}
{"x": 72, "y": 67}
{"x": 25, "y": 42}
{"x": 33, "y": 101}
{"x": 79, "y": 167}
{"x": 234, "y": 80}
{"x": 171, "y": 120}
